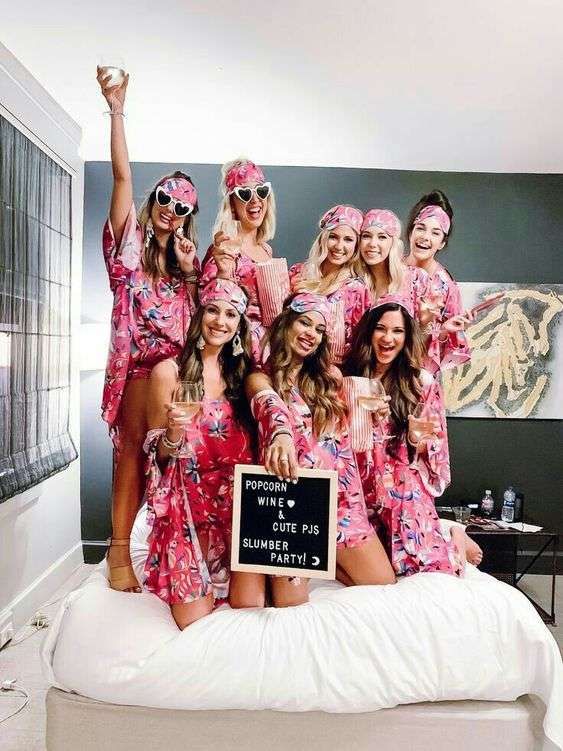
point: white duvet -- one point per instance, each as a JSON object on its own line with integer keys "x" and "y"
{"x": 430, "y": 637}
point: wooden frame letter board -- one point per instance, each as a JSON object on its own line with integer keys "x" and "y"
{"x": 281, "y": 528}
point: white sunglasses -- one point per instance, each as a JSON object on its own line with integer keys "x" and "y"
{"x": 179, "y": 208}
{"x": 245, "y": 193}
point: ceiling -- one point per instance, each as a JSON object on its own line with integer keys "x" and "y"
{"x": 408, "y": 84}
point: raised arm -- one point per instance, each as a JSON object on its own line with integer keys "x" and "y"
{"x": 122, "y": 193}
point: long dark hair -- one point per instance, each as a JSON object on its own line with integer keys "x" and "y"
{"x": 317, "y": 381}
{"x": 233, "y": 369}
{"x": 151, "y": 252}
{"x": 402, "y": 379}
{"x": 434, "y": 198}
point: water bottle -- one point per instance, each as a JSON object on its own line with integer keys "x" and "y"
{"x": 487, "y": 504}
{"x": 507, "y": 513}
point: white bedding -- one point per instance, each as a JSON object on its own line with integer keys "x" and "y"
{"x": 358, "y": 649}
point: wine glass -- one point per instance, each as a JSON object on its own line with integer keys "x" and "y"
{"x": 422, "y": 426}
{"x": 187, "y": 398}
{"x": 433, "y": 303}
{"x": 375, "y": 402}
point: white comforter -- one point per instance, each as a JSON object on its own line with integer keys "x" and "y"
{"x": 358, "y": 649}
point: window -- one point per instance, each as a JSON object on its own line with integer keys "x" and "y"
{"x": 35, "y": 275}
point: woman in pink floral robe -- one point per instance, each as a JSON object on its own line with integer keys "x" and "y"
{"x": 247, "y": 200}
{"x": 329, "y": 271}
{"x": 302, "y": 423}
{"x": 150, "y": 263}
{"x": 191, "y": 459}
{"x": 400, "y": 483}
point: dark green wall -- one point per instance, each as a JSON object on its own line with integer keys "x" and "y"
{"x": 507, "y": 228}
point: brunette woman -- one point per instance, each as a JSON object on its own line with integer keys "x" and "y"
{"x": 200, "y": 427}
{"x": 407, "y": 466}
{"x": 150, "y": 262}
{"x": 302, "y": 423}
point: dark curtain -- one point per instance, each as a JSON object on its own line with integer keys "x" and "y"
{"x": 35, "y": 274}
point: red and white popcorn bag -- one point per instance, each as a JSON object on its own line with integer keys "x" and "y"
{"x": 360, "y": 419}
{"x": 272, "y": 281}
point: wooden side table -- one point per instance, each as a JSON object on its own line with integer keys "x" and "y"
{"x": 502, "y": 552}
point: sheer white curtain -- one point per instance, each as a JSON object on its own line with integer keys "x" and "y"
{"x": 35, "y": 275}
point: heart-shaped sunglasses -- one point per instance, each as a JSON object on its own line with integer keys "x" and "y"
{"x": 245, "y": 193}
{"x": 179, "y": 208}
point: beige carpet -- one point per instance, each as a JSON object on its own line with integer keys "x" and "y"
{"x": 26, "y": 731}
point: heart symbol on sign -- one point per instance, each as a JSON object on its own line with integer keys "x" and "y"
{"x": 291, "y": 504}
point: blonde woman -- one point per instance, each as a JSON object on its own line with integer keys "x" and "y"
{"x": 381, "y": 264}
{"x": 329, "y": 271}
{"x": 245, "y": 223}
{"x": 150, "y": 263}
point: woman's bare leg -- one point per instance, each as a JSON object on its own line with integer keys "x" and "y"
{"x": 128, "y": 480}
{"x": 366, "y": 564}
{"x": 287, "y": 593}
{"x": 247, "y": 590}
{"x": 185, "y": 613}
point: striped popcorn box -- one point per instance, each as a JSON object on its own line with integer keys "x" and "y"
{"x": 337, "y": 333}
{"x": 272, "y": 281}
{"x": 361, "y": 426}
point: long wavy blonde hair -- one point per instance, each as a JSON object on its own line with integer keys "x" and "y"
{"x": 394, "y": 265}
{"x": 312, "y": 279}
{"x": 317, "y": 380}
{"x": 224, "y": 218}
{"x": 151, "y": 251}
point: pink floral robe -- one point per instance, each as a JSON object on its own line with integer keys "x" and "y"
{"x": 149, "y": 319}
{"x": 400, "y": 499}
{"x": 414, "y": 286}
{"x": 190, "y": 506}
{"x": 454, "y": 350}
{"x": 329, "y": 451}
{"x": 245, "y": 276}
{"x": 350, "y": 301}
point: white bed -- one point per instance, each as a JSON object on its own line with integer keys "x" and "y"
{"x": 353, "y": 650}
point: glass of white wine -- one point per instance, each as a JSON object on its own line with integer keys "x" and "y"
{"x": 375, "y": 402}
{"x": 422, "y": 426}
{"x": 187, "y": 398}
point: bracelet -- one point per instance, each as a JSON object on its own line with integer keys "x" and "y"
{"x": 192, "y": 277}
{"x": 280, "y": 431}
{"x": 171, "y": 445}
{"x": 112, "y": 114}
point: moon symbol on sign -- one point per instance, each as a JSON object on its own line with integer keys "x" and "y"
{"x": 316, "y": 560}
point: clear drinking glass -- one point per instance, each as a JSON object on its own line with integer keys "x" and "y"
{"x": 375, "y": 402}
{"x": 187, "y": 397}
{"x": 422, "y": 425}
{"x": 113, "y": 66}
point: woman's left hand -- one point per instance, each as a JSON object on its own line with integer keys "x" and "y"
{"x": 456, "y": 323}
{"x": 185, "y": 253}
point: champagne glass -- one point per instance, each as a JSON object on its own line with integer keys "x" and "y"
{"x": 433, "y": 303}
{"x": 187, "y": 398}
{"x": 422, "y": 426}
{"x": 375, "y": 402}
{"x": 233, "y": 245}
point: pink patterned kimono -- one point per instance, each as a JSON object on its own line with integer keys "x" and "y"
{"x": 244, "y": 276}
{"x": 350, "y": 301}
{"x": 414, "y": 286}
{"x": 149, "y": 318}
{"x": 400, "y": 498}
{"x": 190, "y": 506}
{"x": 454, "y": 350}
{"x": 329, "y": 451}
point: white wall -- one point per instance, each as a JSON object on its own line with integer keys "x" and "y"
{"x": 40, "y": 540}
{"x": 398, "y": 84}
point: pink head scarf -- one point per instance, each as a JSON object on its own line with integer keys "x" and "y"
{"x": 342, "y": 215}
{"x": 180, "y": 189}
{"x": 242, "y": 174}
{"x": 383, "y": 219}
{"x": 438, "y": 213}
{"x": 225, "y": 290}
{"x": 398, "y": 299}
{"x": 306, "y": 301}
